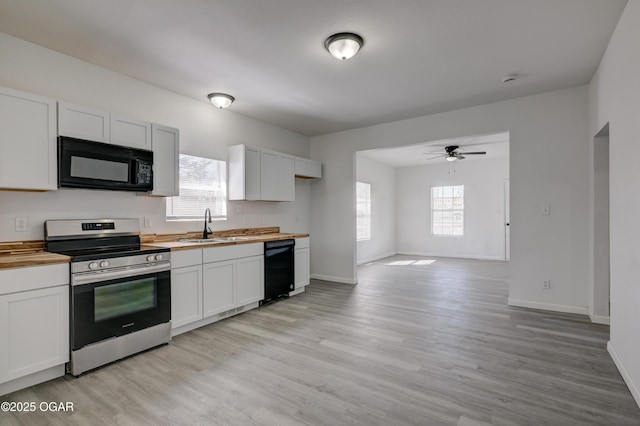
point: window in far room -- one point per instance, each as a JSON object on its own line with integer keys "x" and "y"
{"x": 363, "y": 211}
{"x": 203, "y": 184}
{"x": 447, "y": 210}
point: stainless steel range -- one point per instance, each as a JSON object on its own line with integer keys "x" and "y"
{"x": 120, "y": 289}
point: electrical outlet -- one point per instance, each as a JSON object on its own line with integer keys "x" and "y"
{"x": 244, "y": 220}
{"x": 147, "y": 221}
{"x": 546, "y": 285}
{"x": 264, "y": 220}
{"x": 21, "y": 224}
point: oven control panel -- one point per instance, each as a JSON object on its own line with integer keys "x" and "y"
{"x": 124, "y": 262}
{"x": 98, "y": 226}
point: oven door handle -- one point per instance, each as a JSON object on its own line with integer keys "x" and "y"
{"x": 93, "y": 277}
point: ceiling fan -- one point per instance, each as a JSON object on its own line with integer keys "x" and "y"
{"x": 452, "y": 153}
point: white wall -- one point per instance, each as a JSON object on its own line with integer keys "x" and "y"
{"x": 382, "y": 179}
{"x": 204, "y": 131}
{"x": 548, "y": 165}
{"x": 484, "y": 231}
{"x": 614, "y": 98}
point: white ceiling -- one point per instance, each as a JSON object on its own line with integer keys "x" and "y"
{"x": 495, "y": 145}
{"x": 420, "y": 56}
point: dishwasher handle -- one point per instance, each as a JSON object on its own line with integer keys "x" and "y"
{"x": 279, "y": 243}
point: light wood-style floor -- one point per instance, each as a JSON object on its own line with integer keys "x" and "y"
{"x": 414, "y": 343}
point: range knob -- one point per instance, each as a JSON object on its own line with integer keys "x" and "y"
{"x": 151, "y": 258}
{"x": 93, "y": 265}
{"x": 104, "y": 263}
{"x": 158, "y": 257}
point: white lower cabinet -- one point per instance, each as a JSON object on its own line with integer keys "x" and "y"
{"x": 301, "y": 263}
{"x": 212, "y": 283}
{"x": 218, "y": 287}
{"x": 34, "y": 325}
{"x": 250, "y": 280}
{"x": 186, "y": 295}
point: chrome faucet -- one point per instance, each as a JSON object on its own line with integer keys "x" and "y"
{"x": 207, "y": 231}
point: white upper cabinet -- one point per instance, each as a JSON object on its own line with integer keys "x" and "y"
{"x": 260, "y": 174}
{"x": 166, "y": 152}
{"x": 83, "y": 122}
{"x": 133, "y": 133}
{"x": 286, "y": 178}
{"x": 28, "y": 148}
{"x": 244, "y": 172}
{"x": 269, "y": 175}
{"x": 308, "y": 169}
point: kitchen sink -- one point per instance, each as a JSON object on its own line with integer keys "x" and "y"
{"x": 214, "y": 240}
{"x": 233, "y": 238}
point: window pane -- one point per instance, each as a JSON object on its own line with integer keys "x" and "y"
{"x": 447, "y": 210}
{"x": 447, "y": 203}
{"x": 363, "y": 211}
{"x": 203, "y": 184}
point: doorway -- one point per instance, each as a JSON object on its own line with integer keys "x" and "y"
{"x": 599, "y": 308}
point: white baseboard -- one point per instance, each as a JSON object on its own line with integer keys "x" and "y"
{"x": 334, "y": 279}
{"x": 373, "y": 259}
{"x": 599, "y": 319}
{"x": 623, "y": 372}
{"x": 415, "y": 253}
{"x": 548, "y": 307}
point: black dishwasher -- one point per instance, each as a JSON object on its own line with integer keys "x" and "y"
{"x": 278, "y": 269}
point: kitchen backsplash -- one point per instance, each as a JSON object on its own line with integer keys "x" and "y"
{"x": 37, "y": 207}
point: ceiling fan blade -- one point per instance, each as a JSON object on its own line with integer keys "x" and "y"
{"x": 473, "y": 153}
{"x": 433, "y": 158}
{"x": 460, "y": 157}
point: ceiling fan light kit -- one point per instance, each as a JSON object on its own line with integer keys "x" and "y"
{"x": 452, "y": 154}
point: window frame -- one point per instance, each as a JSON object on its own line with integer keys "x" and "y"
{"x": 200, "y": 215}
{"x": 367, "y": 237}
{"x": 452, "y": 210}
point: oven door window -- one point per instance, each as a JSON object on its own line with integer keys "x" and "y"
{"x": 116, "y": 300}
{"x": 113, "y": 308}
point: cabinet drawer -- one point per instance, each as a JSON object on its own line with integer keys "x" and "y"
{"x": 14, "y": 280}
{"x": 182, "y": 258}
{"x": 216, "y": 254}
{"x": 302, "y": 243}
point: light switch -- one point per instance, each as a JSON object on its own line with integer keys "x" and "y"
{"x": 545, "y": 209}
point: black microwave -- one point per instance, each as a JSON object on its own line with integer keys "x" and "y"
{"x": 97, "y": 165}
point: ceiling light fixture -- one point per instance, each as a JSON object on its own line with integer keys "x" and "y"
{"x": 343, "y": 46}
{"x": 452, "y": 158}
{"x": 221, "y": 100}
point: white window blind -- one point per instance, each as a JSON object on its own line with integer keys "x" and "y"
{"x": 363, "y": 211}
{"x": 447, "y": 210}
{"x": 203, "y": 184}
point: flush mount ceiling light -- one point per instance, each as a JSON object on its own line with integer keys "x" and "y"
{"x": 343, "y": 46}
{"x": 221, "y": 100}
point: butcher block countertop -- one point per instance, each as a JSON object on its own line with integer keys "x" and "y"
{"x": 248, "y": 239}
{"x": 15, "y": 254}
